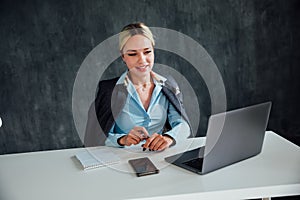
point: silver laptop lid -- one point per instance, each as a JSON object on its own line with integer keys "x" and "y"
{"x": 235, "y": 135}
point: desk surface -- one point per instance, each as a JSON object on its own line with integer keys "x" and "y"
{"x": 57, "y": 175}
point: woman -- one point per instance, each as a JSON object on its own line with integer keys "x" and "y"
{"x": 140, "y": 106}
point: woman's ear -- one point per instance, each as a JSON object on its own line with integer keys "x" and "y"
{"x": 122, "y": 56}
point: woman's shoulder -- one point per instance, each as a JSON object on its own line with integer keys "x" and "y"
{"x": 107, "y": 85}
{"x": 165, "y": 78}
{"x": 109, "y": 81}
{"x": 171, "y": 81}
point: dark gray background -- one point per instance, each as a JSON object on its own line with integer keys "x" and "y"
{"x": 255, "y": 45}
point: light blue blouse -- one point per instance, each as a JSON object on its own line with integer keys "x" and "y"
{"x": 159, "y": 110}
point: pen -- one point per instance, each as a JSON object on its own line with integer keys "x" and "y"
{"x": 144, "y": 149}
{"x": 144, "y": 138}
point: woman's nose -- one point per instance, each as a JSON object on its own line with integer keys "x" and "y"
{"x": 142, "y": 58}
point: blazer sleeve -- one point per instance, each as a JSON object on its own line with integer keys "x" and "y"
{"x": 100, "y": 118}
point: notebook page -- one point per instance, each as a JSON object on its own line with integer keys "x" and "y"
{"x": 92, "y": 158}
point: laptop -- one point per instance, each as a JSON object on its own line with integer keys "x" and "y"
{"x": 231, "y": 137}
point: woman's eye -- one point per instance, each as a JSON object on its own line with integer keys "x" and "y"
{"x": 131, "y": 54}
{"x": 147, "y": 52}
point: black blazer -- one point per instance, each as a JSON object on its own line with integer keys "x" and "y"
{"x": 101, "y": 115}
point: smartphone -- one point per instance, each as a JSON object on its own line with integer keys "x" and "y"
{"x": 143, "y": 166}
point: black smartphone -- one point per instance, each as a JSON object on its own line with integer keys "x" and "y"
{"x": 143, "y": 166}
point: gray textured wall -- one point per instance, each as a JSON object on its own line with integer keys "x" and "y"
{"x": 255, "y": 45}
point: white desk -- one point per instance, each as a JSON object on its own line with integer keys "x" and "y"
{"x": 56, "y": 175}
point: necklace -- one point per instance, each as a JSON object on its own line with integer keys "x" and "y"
{"x": 143, "y": 87}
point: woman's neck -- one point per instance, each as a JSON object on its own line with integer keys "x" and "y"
{"x": 138, "y": 81}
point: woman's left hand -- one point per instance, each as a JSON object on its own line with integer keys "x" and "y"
{"x": 158, "y": 142}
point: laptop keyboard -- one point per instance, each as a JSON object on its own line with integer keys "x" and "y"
{"x": 195, "y": 163}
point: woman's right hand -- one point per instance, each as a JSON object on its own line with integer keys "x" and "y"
{"x": 135, "y": 136}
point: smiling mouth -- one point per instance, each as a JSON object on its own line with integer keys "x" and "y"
{"x": 142, "y": 67}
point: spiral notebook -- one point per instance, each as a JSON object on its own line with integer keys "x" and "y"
{"x": 93, "y": 158}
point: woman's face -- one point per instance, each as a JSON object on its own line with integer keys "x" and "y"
{"x": 138, "y": 54}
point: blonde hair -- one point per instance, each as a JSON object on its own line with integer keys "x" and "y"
{"x": 134, "y": 29}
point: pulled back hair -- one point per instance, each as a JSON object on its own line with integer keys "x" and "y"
{"x": 134, "y": 29}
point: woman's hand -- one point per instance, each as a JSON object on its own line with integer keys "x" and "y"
{"x": 135, "y": 136}
{"x": 158, "y": 142}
